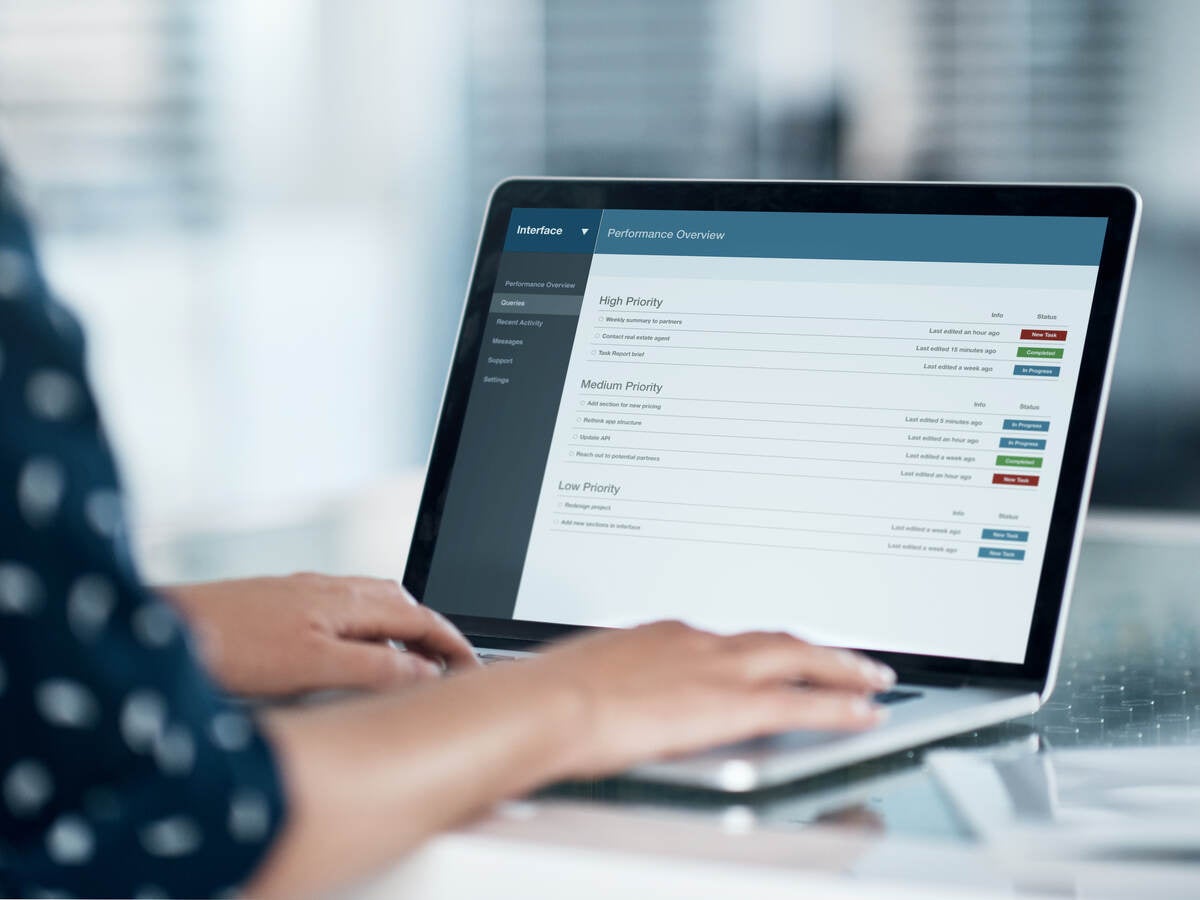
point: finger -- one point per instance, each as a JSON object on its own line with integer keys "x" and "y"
{"x": 384, "y": 610}
{"x": 772, "y": 710}
{"x": 357, "y": 664}
{"x": 762, "y": 656}
{"x": 790, "y": 708}
{"x": 439, "y": 636}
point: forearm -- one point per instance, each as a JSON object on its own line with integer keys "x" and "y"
{"x": 371, "y": 779}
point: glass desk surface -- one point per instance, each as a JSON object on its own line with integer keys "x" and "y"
{"x": 1130, "y": 677}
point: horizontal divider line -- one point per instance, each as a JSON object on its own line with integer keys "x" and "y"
{"x": 865, "y": 462}
{"x": 949, "y": 412}
{"x": 909, "y": 481}
{"x": 873, "y": 534}
{"x": 751, "y": 437}
{"x": 653, "y": 537}
{"x": 740, "y": 315}
{"x": 822, "y": 424}
{"x": 817, "y": 334}
{"x": 915, "y": 355}
{"x": 630, "y": 362}
{"x": 810, "y": 512}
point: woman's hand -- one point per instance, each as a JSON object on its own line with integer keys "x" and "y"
{"x": 278, "y": 636}
{"x": 371, "y": 778}
{"x": 666, "y": 688}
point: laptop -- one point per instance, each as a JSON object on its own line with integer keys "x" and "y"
{"x": 866, "y": 414}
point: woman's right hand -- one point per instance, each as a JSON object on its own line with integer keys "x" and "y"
{"x": 370, "y": 778}
{"x": 666, "y": 688}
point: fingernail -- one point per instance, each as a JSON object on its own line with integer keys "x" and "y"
{"x": 887, "y": 675}
{"x": 858, "y": 661}
{"x": 868, "y": 711}
{"x": 877, "y": 673}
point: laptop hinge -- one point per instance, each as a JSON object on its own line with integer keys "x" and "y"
{"x": 934, "y": 679}
{"x": 502, "y": 643}
{"x": 946, "y": 679}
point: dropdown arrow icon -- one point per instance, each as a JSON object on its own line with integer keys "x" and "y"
{"x": 585, "y": 230}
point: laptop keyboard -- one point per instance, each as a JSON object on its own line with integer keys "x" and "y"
{"x": 888, "y": 698}
{"x": 490, "y": 658}
{"x": 885, "y": 698}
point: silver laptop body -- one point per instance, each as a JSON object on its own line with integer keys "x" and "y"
{"x": 937, "y": 696}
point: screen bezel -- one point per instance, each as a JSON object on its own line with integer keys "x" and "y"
{"x": 1116, "y": 203}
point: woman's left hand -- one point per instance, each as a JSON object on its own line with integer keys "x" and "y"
{"x": 287, "y": 635}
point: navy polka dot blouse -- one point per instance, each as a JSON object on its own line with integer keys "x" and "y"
{"x": 123, "y": 771}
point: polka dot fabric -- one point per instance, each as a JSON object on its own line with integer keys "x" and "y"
{"x": 123, "y": 772}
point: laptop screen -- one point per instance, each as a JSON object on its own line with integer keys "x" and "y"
{"x": 848, "y": 426}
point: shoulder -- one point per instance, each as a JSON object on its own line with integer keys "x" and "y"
{"x": 32, "y": 323}
{"x": 20, "y": 276}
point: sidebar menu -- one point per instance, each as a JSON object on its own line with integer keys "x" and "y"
{"x": 493, "y": 490}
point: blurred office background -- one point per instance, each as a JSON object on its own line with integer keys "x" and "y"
{"x": 265, "y": 209}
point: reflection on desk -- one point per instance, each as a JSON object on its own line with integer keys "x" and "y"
{"x": 1124, "y": 803}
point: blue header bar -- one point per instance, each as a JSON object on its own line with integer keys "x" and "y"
{"x": 1048, "y": 240}
{"x": 552, "y": 230}
{"x": 1027, "y": 240}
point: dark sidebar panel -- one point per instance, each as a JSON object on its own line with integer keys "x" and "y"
{"x": 497, "y": 476}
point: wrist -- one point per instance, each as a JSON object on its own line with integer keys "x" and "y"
{"x": 182, "y": 596}
{"x": 204, "y": 626}
{"x": 558, "y": 718}
{"x": 573, "y": 718}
